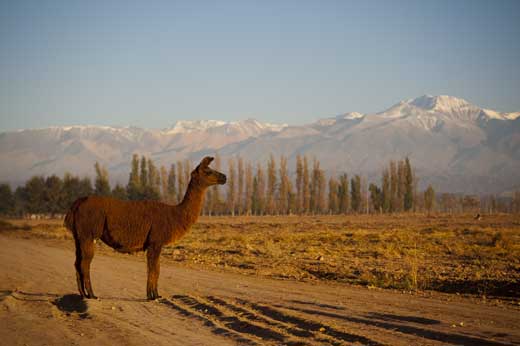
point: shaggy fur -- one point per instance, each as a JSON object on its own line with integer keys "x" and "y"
{"x": 130, "y": 226}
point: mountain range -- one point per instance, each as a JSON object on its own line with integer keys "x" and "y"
{"x": 453, "y": 144}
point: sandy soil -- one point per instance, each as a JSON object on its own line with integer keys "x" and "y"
{"x": 39, "y": 306}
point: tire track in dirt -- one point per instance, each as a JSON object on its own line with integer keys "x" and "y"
{"x": 243, "y": 319}
{"x": 232, "y": 321}
{"x": 308, "y": 324}
{"x": 387, "y": 322}
{"x": 252, "y": 316}
{"x": 215, "y": 326}
{"x": 304, "y": 336}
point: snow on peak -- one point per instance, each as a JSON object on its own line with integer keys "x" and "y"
{"x": 441, "y": 103}
{"x": 512, "y": 116}
{"x": 492, "y": 114}
{"x": 333, "y": 120}
{"x": 445, "y": 106}
{"x": 263, "y": 126}
{"x": 186, "y": 126}
{"x": 350, "y": 116}
{"x": 194, "y": 125}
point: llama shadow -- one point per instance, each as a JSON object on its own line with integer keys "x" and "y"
{"x": 72, "y": 303}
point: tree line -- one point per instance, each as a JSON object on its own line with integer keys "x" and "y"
{"x": 254, "y": 190}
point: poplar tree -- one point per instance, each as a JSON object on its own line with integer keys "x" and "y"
{"x": 249, "y": 189}
{"x": 271, "y": 186}
{"x": 172, "y": 190}
{"x": 355, "y": 191}
{"x": 318, "y": 185}
{"x": 261, "y": 189}
{"x": 429, "y": 199}
{"x": 299, "y": 184}
{"x": 240, "y": 188}
{"x": 164, "y": 184}
{"x": 258, "y": 196}
{"x": 283, "y": 199}
{"x": 154, "y": 181}
{"x": 133, "y": 188}
{"x": 333, "y": 196}
{"x": 144, "y": 175}
{"x": 231, "y": 194}
{"x": 394, "y": 199}
{"x": 102, "y": 187}
{"x": 376, "y": 197}
{"x": 306, "y": 186}
{"x": 386, "y": 196}
{"x": 291, "y": 198}
{"x": 343, "y": 194}
{"x": 401, "y": 184}
{"x": 364, "y": 195}
{"x": 408, "y": 185}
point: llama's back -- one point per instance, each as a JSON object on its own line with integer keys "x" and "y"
{"x": 123, "y": 225}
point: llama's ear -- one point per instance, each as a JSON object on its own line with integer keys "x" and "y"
{"x": 206, "y": 161}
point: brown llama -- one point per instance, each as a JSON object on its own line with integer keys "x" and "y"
{"x": 130, "y": 226}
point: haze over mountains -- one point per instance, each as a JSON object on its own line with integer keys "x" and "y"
{"x": 454, "y": 145}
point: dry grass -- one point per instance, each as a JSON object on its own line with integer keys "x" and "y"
{"x": 443, "y": 252}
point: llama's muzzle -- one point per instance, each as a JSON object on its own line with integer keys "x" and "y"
{"x": 222, "y": 179}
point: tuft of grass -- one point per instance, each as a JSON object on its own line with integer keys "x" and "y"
{"x": 502, "y": 240}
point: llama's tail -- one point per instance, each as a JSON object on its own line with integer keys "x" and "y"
{"x": 69, "y": 218}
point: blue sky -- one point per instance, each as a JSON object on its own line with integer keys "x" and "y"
{"x": 151, "y": 63}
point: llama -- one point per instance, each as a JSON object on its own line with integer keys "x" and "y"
{"x": 131, "y": 226}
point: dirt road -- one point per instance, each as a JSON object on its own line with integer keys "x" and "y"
{"x": 39, "y": 306}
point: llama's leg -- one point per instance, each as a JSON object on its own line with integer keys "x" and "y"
{"x": 79, "y": 275}
{"x": 87, "y": 253}
{"x": 152, "y": 255}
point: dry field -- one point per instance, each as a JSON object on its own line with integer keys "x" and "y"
{"x": 453, "y": 254}
{"x": 309, "y": 281}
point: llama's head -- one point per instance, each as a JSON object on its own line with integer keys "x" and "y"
{"x": 206, "y": 176}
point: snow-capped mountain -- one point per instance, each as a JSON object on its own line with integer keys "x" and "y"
{"x": 74, "y": 149}
{"x": 453, "y": 144}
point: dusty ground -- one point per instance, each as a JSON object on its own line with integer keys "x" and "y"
{"x": 39, "y": 306}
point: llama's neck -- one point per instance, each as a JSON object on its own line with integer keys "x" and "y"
{"x": 192, "y": 204}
